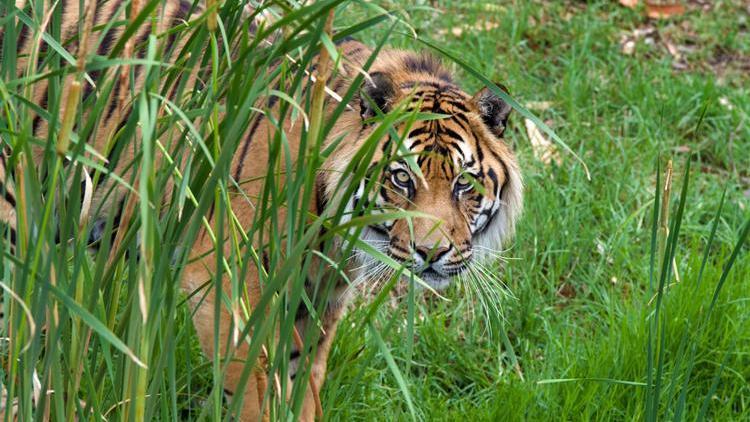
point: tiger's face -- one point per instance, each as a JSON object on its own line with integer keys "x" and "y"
{"x": 462, "y": 185}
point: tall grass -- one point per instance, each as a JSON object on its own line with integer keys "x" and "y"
{"x": 666, "y": 396}
{"x": 103, "y": 331}
{"x": 98, "y": 325}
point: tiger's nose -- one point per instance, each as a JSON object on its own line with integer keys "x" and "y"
{"x": 431, "y": 254}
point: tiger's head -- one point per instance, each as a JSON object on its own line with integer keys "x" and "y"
{"x": 469, "y": 193}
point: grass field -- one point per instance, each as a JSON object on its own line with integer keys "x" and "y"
{"x": 591, "y": 326}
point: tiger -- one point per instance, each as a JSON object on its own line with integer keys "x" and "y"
{"x": 464, "y": 187}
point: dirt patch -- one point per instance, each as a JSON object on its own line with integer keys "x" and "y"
{"x": 724, "y": 62}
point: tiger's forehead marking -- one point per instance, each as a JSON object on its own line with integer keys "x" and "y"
{"x": 445, "y": 138}
{"x": 444, "y": 147}
{"x": 445, "y": 97}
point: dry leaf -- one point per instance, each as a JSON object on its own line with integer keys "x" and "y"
{"x": 679, "y": 65}
{"x": 629, "y": 3}
{"x": 486, "y": 26}
{"x": 645, "y": 32}
{"x": 664, "y": 11}
{"x": 629, "y": 40}
{"x": 566, "y": 291}
{"x": 628, "y": 47}
{"x": 544, "y": 150}
{"x": 673, "y": 50}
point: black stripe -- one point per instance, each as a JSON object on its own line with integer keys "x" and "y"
{"x": 6, "y": 194}
{"x": 378, "y": 229}
{"x": 106, "y": 44}
{"x": 273, "y": 99}
{"x": 294, "y": 354}
{"x": 386, "y": 148}
{"x": 112, "y": 163}
{"x": 396, "y": 246}
{"x": 422, "y": 130}
{"x": 355, "y": 206}
{"x": 98, "y": 14}
{"x": 302, "y": 312}
{"x": 35, "y": 124}
{"x": 459, "y": 105}
{"x": 120, "y": 210}
{"x": 22, "y": 37}
{"x": 478, "y": 147}
{"x": 490, "y": 215}
{"x": 354, "y": 51}
{"x": 446, "y": 169}
{"x": 493, "y": 177}
{"x": 104, "y": 47}
{"x": 452, "y": 134}
{"x": 321, "y": 201}
{"x": 339, "y": 84}
{"x": 346, "y": 39}
{"x": 88, "y": 88}
{"x": 181, "y": 14}
{"x": 266, "y": 262}
{"x": 462, "y": 119}
{"x": 37, "y": 118}
{"x": 140, "y": 45}
{"x": 113, "y": 99}
{"x": 173, "y": 91}
{"x": 246, "y": 147}
{"x": 211, "y": 210}
{"x": 505, "y": 182}
{"x": 13, "y": 236}
{"x": 9, "y": 198}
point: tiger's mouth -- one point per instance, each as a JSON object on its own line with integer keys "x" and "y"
{"x": 435, "y": 279}
{"x": 436, "y": 276}
{"x": 439, "y": 279}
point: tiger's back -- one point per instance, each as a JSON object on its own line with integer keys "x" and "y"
{"x": 110, "y": 90}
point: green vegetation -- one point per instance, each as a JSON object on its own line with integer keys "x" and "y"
{"x": 595, "y": 325}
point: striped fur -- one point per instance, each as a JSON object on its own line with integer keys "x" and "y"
{"x": 470, "y": 183}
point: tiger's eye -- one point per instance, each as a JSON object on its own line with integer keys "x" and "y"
{"x": 463, "y": 181}
{"x": 402, "y": 178}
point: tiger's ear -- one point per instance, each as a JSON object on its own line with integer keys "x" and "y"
{"x": 493, "y": 110}
{"x": 379, "y": 92}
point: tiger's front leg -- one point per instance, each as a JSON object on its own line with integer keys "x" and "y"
{"x": 311, "y": 405}
{"x": 203, "y": 305}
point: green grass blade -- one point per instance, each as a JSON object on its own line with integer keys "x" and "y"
{"x": 394, "y": 370}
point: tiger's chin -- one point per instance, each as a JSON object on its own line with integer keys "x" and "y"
{"x": 435, "y": 280}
